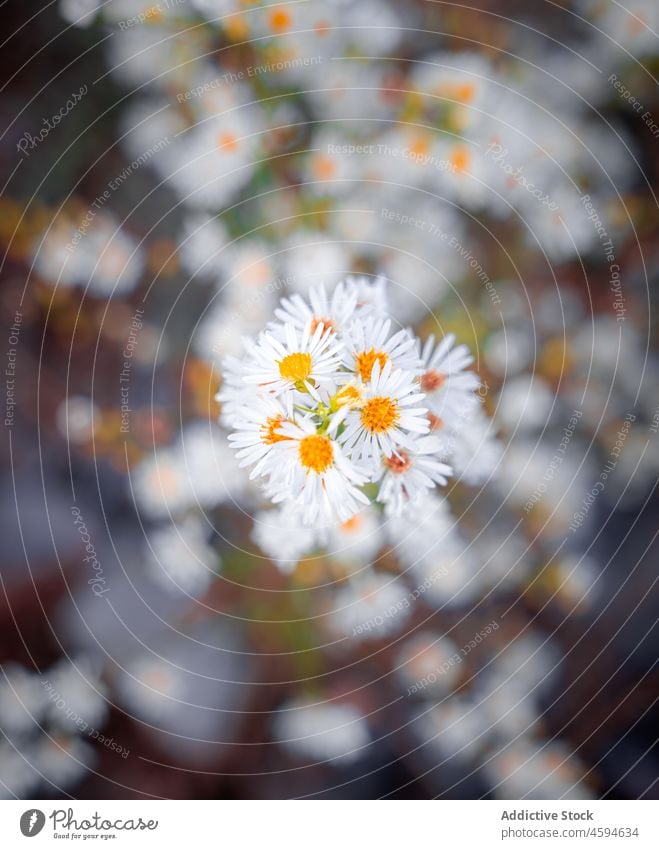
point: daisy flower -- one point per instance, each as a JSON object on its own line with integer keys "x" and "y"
{"x": 322, "y": 731}
{"x": 368, "y": 342}
{"x": 428, "y": 663}
{"x": 179, "y": 558}
{"x": 281, "y": 535}
{"x": 302, "y": 360}
{"x": 371, "y": 294}
{"x": 357, "y": 540}
{"x": 310, "y": 470}
{"x": 448, "y": 387}
{"x": 389, "y": 410}
{"x": 257, "y": 431}
{"x": 370, "y": 606}
{"x": 333, "y": 312}
{"x": 410, "y": 472}
{"x": 234, "y": 393}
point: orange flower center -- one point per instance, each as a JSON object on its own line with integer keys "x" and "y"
{"x": 280, "y": 20}
{"x": 295, "y": 367}
{"x": 168, "y": 480}
{"x": 398, "y": 463}
{"x": 316, "y": 453}
{"x": 236, "y": 27}
{"x": 327, "y": 323}
{"x": 431, "y": 381}
{"x": 463, "y": 92}
{"x": 380, "y": 414}
{"x": 436, "y": 423}
{"x": 153, "y": 13}
{"x": 460, "y": 158}
{"x": 352, "y": 524}
{"x": 269, "y": 430}
{"x": 324, "y": 167}
{"x": 420, "y": 147}
{"x": 366, "y": 360}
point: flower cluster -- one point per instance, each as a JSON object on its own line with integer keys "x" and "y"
{"x": 333, "y": 407}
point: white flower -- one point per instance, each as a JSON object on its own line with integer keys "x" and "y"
{"x": 311, "y": 256}
{"x": 75, "y": 418}
{"x": 474, "y": 450}
{"x": 159, "y": 485}
{"x": 234, "y": 393}
{"x": 525, "y": 404}
{"x": 357, "y": 540}
{"x": 283, "y": 537}
{"x": 449, "y": 575}
{"x": 534, "y": 770}
{"x": 310, "y": 469}
{"x": 302, "y": 360}
{"x": 371, "y": 294}
{"x": 333, "y": 312}
{"x": 63, "y": 760}
{"x": 449, "y": 389}
{"x": 387, "y": 413}
{"x": 17, "y": 775}
{"x": 409, "y": 472}
{"x": 151, "y": 687}
{"x": 428, "y": 664}
{"x": 78, "y": 13}
{"x": 76, "y": 695}
{"x": 509, "y": 709}
{"x": 424, "y": 526}
{"x": 322, "y": 731}
{"x": 202, "y": 248}
{"x": 327, "y": 170}
{"x": 456, "y": 727}
{"x": 215, "y": 158}
{"x": 180, "y": 559}
{"x": 22, "y": 698}
{"x": 209, "y": 465}
{"x": 369, "y": 606}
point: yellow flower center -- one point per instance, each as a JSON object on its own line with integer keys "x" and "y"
{"x": 316, "y": 453}
{"x": 366, "y": 360}
{"x": 269, "y": 430}
{"x": 295, "y": 367}
{"x": 380, "y": 414}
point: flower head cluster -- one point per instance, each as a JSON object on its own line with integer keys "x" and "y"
{"x": 332, "y": 406}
